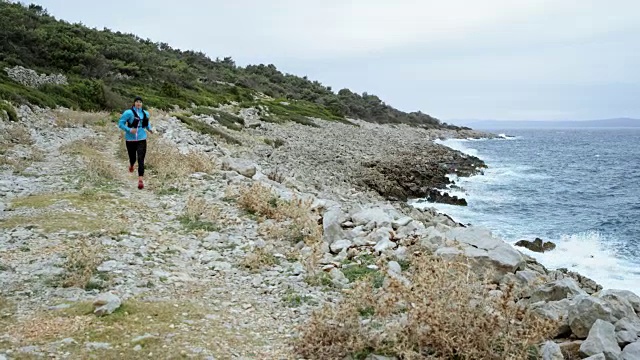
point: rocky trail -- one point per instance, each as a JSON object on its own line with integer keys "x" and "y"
{"x": 185, "y": 290}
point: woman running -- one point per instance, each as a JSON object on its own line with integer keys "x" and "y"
{"x": 135, "y": 124}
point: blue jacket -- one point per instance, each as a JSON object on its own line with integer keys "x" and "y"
{"x": 127, "y": 117}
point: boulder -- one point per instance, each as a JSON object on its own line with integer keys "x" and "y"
{"x": 486, "y": 249}
{"x": 556, "y": 311}
{"x": 557, "y": 290}
{"x": 586, "y": 311}
{"x": 242, "y": 167}
{"x": 601, "y": 340}
{"x": 588, "y": 285}
{"x": 340, "y": 245}
{"x": 551, "y": 351}
{"x": 537, "y": 245}
{"x": 627, "y": 330}
{"x": 381, "y": 217}
{"x": 403, "y": 221}
{"x": 627, "y": 295}
{"x": 331, "y": 226}
{"x": 433, "y": 237}
{"x": 106, "y": 304}
{"x": 631, "y": 352}
{"x": 448, "y": 253}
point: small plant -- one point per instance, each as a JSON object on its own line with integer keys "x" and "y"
{"x": 7, "y": 108}
{"x": 198, "y": 215}
{"x": 293, "y": 299}
{"x": 80, "y": 265}
{"x": 276, "y": 176}
{"x": 274, "y": 143}
{"x": 170, "y": 167}
{"x": 292, "y": 219}
{"x": 206, "y": 129}
{"x": 259, "y": 258}
{"x": 16, "y": 134}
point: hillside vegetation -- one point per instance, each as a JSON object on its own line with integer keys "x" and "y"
{"x": 105, "y": 69}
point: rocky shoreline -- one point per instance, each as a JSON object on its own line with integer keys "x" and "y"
{"x": 241, "y": 243}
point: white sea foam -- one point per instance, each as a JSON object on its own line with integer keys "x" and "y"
{"x": 457, "y": 144}
{"x": 593, "y": 255}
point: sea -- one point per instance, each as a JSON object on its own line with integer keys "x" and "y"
{"x": 579, "y": 188}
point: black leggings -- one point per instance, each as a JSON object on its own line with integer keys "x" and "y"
{"x": 137, "y": 148}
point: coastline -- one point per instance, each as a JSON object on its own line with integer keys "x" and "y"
{"x": 214, "y": 234}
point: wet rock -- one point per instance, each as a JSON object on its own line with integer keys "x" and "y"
{"x": 537, "y": 245}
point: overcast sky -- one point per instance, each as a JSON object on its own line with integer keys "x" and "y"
{"x": 459, "y": 59}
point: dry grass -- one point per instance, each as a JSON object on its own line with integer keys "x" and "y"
{"x": 166, "y": 321}
{"x": 276, "y": 175}
{"x": 97, "y": 166}
{"x": 259, "y": 258}
{"x": 86, "y": 199}
{"x": 72, "y": 118}
{"x": 61, "y": 220}
{"x": 168, "y": 165}
{"x": 200, "y": 215}
{"x": 445, "y": 313}
{"x": 81, "y": 263}
{"x": 88, "y": 211}
{"x": 14, "y": 133}
{"x": 294, "y": 219}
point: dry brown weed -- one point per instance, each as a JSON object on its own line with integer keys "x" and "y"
{"x": 71, "y": 118}
{"x": 81, "y": 263}
{"x": 15, "y": 133}
{"x": 169, "y": 166}
{"x": 444, "y": 313}
{"x": 259, "y": 258}
{"x": 293, "y": 219}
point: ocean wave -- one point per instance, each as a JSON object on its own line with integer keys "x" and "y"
{"x": 591, "y": 254}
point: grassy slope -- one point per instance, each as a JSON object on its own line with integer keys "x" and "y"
{"x": 106, "y": 69}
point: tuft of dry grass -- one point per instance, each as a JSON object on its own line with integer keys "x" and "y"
{"x": 444, "y": 312}
{"x": 168, "y": 165}
{"x": 92, "y": 152}
{"x": 259, "y": 258}
{"x": 72, "y": 118}
{"x": 276, "y": 175}
{"x": 293, "y": 218}
{"x": 200, "y": 215}
{"x": 15, "y": 133}
{"x": 81, "y": 263}
{"x": 274, "y": 143}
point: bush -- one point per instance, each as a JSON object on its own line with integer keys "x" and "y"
{"x": 11, "y": 112}
{"x": 442, "y": 312}
{"x": 225, "y": 119}
{"x": 207, "y": 129}
{"x": 293, "y": 218}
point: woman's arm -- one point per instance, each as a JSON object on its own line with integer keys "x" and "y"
{"x": 123, "y": 120}
{"x": 149, "y": 123}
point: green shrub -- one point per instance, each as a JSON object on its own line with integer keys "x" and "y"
{"x": 225, "y": 119}
{"x": 11, "y": 112}
{"x": 207, "y": 129}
